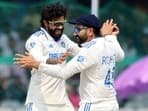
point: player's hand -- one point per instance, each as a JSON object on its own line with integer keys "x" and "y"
{"x": 58, "y": 60}
{"x": 115, "y": 30}
{"x": 26, "y": 61}
{"x": 109, "y": 28}
{"x": 64, "y": 57}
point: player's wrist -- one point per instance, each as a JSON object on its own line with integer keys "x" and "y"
{"x": 103, "y": 34}
{"x": 36, "y": 65}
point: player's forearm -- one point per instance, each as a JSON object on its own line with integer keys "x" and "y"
{"x": 120, "y": 52}
{"x": 76, "y": 65}
{"x": 111, "y": 38}
{"x": 54, "y": 70}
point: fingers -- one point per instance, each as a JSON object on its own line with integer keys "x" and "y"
{"x": 19, "y": 59}
{"x": 27, "y": 53}
{"x": 109, "y": 22}
{"x": 24, "y": 60}
{"x": 64, "y": 57}
{"x": 19, "y": 55}
{"x": 22, "y": 65}
{"x": 16, "y": 60}
{"x": 109, "y": 28}
{"x": 115, "y": 31}
{"x": 23, "y": 55}
{"x": 67, "y": 54}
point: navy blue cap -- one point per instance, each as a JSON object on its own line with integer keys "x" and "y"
{"x": 88, "y": 20}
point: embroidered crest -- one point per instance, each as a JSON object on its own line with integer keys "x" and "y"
{"x": 80, "y": 59}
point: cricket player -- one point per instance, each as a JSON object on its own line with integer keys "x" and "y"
{"x": 96, "y": 62}
{"x": 47, "y": 45}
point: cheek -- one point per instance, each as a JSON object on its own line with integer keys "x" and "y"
{"x": 87, "y": 33}
{"x": 81, "y": 33}
{"x": 80, "y": 36}
{"x": 51, "y": 28}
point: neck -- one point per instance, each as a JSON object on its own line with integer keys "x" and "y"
{"x": 90, "y": 38}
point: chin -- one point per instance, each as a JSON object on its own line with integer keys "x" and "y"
{"x": 58, "y": 35}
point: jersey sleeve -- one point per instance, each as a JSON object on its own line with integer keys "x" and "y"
{"x": 79, "y": 63}
{"x": 35, "y": 48}
{"x": 117, "y": 46}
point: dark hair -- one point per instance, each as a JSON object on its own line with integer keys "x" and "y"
{"x": 53, "y": 11}
{"x": 97, "y": 32}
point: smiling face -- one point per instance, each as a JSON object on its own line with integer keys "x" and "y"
{"x": 53, "y": 19}
{"x": 55, "y": 27}
{"x": 80, "y": 32}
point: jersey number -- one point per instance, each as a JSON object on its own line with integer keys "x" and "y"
{"x": 108, "y": 79}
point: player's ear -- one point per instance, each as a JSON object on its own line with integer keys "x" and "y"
{"x": 90, "y": 31}
{"x": 45, "y": 23}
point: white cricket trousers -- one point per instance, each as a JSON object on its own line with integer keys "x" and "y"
{"x": 47, "y": 107}
{"x": 100, "y": 106}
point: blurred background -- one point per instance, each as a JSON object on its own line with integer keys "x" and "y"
{"x": 20, "y": 18}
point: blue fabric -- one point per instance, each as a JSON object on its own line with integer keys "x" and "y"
{"x": 88, "y": 20}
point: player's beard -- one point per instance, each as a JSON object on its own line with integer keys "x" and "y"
{"x": 56, "y": 33}
{"x": 80, "y": 40}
